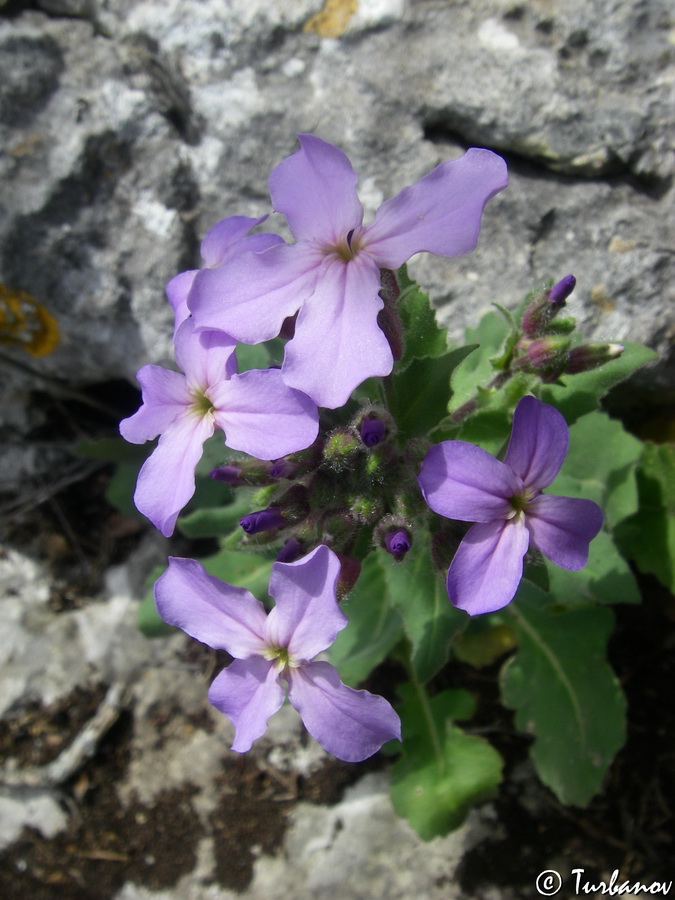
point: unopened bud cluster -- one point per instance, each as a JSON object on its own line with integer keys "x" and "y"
{"x": 545, "y": 346}
{"x": 354, "y": 488}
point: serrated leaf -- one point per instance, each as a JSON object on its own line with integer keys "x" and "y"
{"x": 565, "y": 693}
{"x": 579, "y": 394}
{"x": 442, "y": 771}
{"x": 419, "y": 595}
{"x": 648, "y": 537}
{"x": 374, "y": 626}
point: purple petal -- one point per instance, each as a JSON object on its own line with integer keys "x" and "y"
{"x": 206, "y": 357}
{"x": 337, "y": 342}
{"x": 539, "y": 442}
{"x": 165, "y": 396}
{"x": 262, "y": 416}
{"x": 221, "y": 240}
{"x": 177, "y": 291}
{"x": 306, "y": 618}
{"x": 252, "y": 294}
{"x": 351, "y": 725}
{"x": 167, "y": 479}
{"x": 462, "y": 481}
{"x": 210, "y": 610}
{"x": 315, "y": 189}
{"x": 441, "y": 213}
{"x": 248, "y": 692}
{"x": 486, "y": 570}
{"x": 563, "y": 527}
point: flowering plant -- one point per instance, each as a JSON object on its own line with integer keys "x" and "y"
{"x": 360, "y": 443}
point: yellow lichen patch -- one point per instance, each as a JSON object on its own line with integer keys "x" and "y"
{"x": 26, "y": 322}
{"x": 619, "y": 245}
{"x": 600, "y": 296}
{"x": 332, "y": 20}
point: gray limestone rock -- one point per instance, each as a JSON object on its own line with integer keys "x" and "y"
{"x": 125, "y": 143}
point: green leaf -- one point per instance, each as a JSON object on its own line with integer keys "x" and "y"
{"x": 477, "y": 370}
{"x": 214, "y": 521}
{"x": 245, "y": 570}
{"x": 442, "y": 771}
{"x": 565, "y": 693}
{"x": 418, "y": 396}
{"x": 648, "y": 537}
{"x": 120, "y": 491}
{"x": 374, "y": 627}
{"x": 423, "y": 337}
{"x": 115, "y": 449}
{"x": 580, "y": 394}
{"x": 419, "y": 595}
{"x": 606, "y": 578}
{"x": 600, "y": 466}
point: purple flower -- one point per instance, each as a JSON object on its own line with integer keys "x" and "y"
{"x": 351, "y": 725}
{"x": 227, "y": 238}
{"x": 259, "y": 414}
{"x": 332, "y": 273}
{"x": 464, "y": 482}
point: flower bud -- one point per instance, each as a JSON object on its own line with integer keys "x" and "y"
{"x": 291, "y": 551}
{"x": 227, "y": 474}
{"x": 283, "y": 468}
{"x": 262, "y": 520}
{"x": 398, "y": 543}
{"x": 372, "y": 431}
{"x": 561, "y": 290}
{"x": 590, "y": 356}
{"x": 367, "y": 509}
{"x": 545, "y": 307}
{"x": 543, "y": 354}
{"x": 342, "y": 445}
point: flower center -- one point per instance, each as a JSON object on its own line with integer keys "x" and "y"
{"x": 348, "y": 246}
{"x": 201, "y": 405}
{"x": 282, "y": 658}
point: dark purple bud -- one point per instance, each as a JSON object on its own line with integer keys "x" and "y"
{"x": 561, "y": 290}
{"x": 291, "y": 551}
{"x": 398, "y": 543}
{"x": 283, "y": 468}
{"x": 263, "y": 520}
{"x": 590, "y": 356}
{"x": 227, "y": 474}
{"x": 372, "y": 431}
